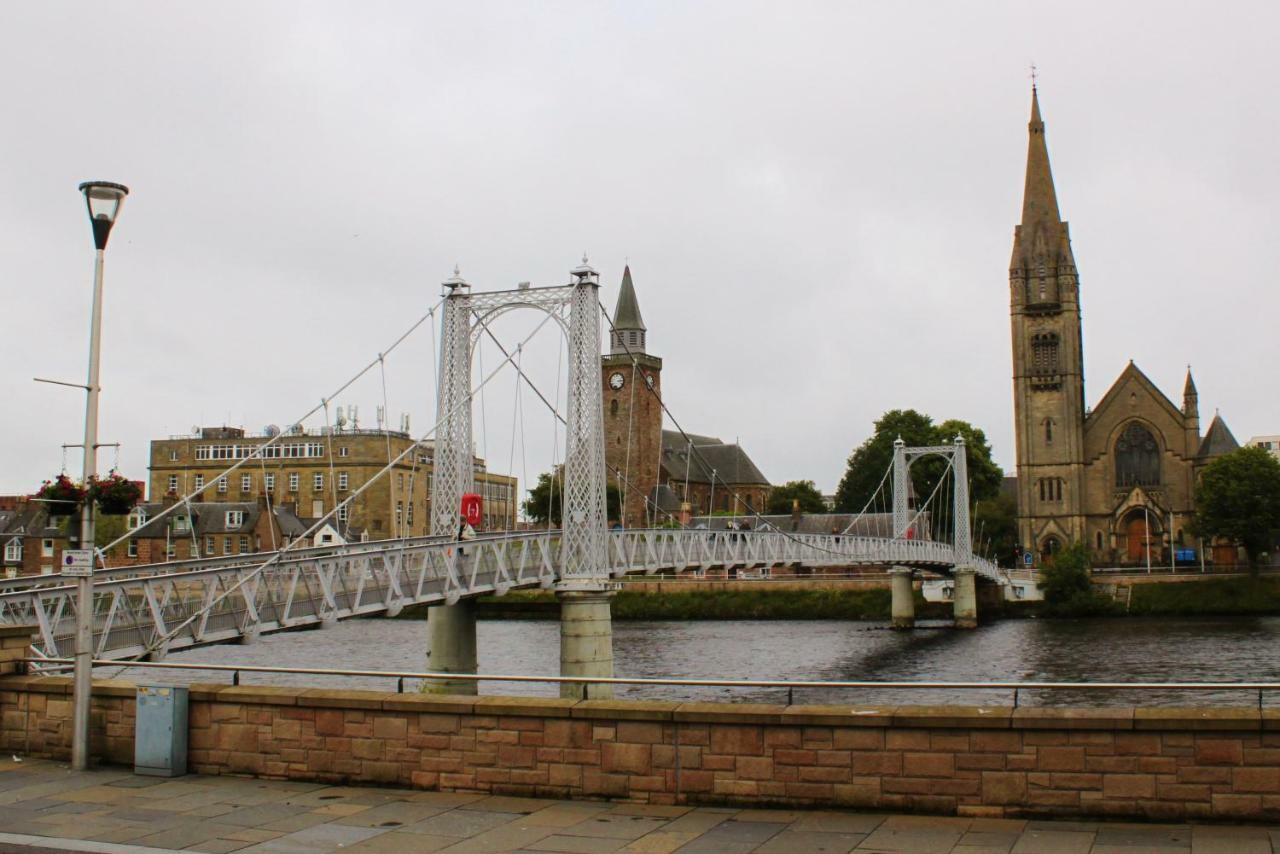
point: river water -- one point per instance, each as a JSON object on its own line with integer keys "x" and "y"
{"x": 1115, "y": 650}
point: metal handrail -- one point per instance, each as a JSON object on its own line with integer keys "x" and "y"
{"x": 710, "y": 683}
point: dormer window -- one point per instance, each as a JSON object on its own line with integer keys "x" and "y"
{"x": 137, "y": 518}
{"x": 235, "y": 519}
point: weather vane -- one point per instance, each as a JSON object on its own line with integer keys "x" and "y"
{"x": 1033, "y": 76}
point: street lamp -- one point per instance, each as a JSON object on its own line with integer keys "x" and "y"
{"x": 104, "y": 200}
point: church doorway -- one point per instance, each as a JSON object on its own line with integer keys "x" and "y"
{"x": 1048, "y": 549}
{"x": 1138, "y": 539}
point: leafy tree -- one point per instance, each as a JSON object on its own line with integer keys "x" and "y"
{"x": 1238, "y": 499}
{"x": 995, "y": 522}
{"x": 1067, "y": 587}
{"x": 548, "y": 497}
{"x": 870, "y": 461}
{"x": 804, "y": 491}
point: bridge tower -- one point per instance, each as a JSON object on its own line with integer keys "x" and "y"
{"x": 965, "y": 598}
{"x": 584, "y": 590}
{"x": 451, "y": 629}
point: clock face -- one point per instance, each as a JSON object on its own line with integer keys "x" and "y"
{"x": 648, "y": 379}
{"x": 616, "y": 381}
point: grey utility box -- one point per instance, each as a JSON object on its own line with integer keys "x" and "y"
{"x": 160, "y": 740}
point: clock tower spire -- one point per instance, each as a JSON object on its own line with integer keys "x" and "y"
{"x": 632, "y": 385}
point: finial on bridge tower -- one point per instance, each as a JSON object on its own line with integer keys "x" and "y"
{"x": 454, "y": 282}
{"x": 584, "y": 273}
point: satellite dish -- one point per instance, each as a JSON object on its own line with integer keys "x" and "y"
{"x": 271, "y": 431}
{"x": 342, "y": 417}
{"x": 195, "y": 429}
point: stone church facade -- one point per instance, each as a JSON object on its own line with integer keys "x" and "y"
{"x": 1119, "y": 477}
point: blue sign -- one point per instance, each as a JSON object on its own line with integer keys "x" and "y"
{"x": 1027, "y": 558}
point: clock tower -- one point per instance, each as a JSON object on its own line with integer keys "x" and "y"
{"x": 632, "y": 384}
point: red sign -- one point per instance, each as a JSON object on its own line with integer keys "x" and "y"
{"x": 473, "y": 509}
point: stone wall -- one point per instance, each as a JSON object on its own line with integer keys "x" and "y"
{"x": 1153, "y": 763}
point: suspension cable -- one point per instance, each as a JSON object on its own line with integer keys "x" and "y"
{"x": 258, "y": 449}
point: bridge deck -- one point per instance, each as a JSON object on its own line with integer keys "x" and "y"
{"x": 162, "y": 607}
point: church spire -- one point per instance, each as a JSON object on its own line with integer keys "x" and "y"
{"x": 628, "y": 333}
{"x": 1039, "y": 200}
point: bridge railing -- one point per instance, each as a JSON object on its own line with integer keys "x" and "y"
{"x": 150, "y": 612}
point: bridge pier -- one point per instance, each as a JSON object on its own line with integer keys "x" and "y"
{"x": 903, "y": 607}
{"x": 451, "y": 639}
{"x": 249, "y": 635}
{"x": 586, "y": 640}
{"x": 965, "y": 600}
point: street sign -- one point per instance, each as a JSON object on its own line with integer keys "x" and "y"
{"x": 77, "y": 563}
{"x": 1026, "y": 558}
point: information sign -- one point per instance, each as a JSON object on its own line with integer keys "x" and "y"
{"x": 77, "y": 563}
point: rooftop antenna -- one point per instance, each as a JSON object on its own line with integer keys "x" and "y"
{"x": 381, "y": 415}
{"x": 353, "y": 412}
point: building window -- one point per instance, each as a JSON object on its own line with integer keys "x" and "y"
{"x": 269, "y": 481}
{"x": 342, "y": 452}
{"x": 199, "y": 481}
{"x": 13, "y": 550}
{"x": 133, "y": 548}
{"x": 181, "y": 524}
{"x": 1098, "y": 538}
{"x": 1050, "y": 488}
{"x": 342, "y": 480}
{"x": 235, "y": 518}
{"x": 344, "y": 512}
{"x": 222, "y": 484}
{"x": 137, "y": 518}
{"x": 244, "y": 545}
{"x": 400, "y": 481}
{"x": 1137, "y": 457}
{"x": 410, "y": 516}
{"x": 173, "y": 483}
{"x": 317, "y": 481}
{"x": 226, "y": 545}
{"x": 246, "y": 483}
{"x": 399, "y": 514}
{"x": 194, "y": 550}
{"x": 46, "y": 548}
{"x": 1048, "y": 431}
{"x": 613, "y": 407}
{"x": 208, "y": 545}
{"x": 1044, "y": 360}
{"x": 170, "y": 550}
{"x": 293, "y": 481}
{"x": 173, "y": 455}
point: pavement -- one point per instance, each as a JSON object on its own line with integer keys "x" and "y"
{"x": 44, "y": 806}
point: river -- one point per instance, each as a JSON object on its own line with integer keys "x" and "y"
{"x": 1105, "y": 650}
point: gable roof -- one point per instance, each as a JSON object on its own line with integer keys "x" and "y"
{"x": 1132, "y": 371}
{"x": 1218, "y": 440}
{"x": 729, "y": 462}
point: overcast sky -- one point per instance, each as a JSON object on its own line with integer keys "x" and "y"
{"x": 817, "y": 201}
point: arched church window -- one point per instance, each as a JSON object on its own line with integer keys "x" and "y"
{"x": 1137, "y": 457}
{"x": 1048, "y": 431}
{"x": 1044, "y": 360}
{"x": 1098, "y": 539}
{"x": 1049, "y": 548}
{"x": 613, "y": 406}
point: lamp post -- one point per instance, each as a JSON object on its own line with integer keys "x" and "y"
{"x": 104, "y": 200}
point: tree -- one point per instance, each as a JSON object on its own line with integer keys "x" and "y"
{"x": 1068, "y": 586}
{"x": 547, "y": 498}
{"x": 1238, "y": 499}
{"x": 995, "y": 529}
{"x": 804, "y": 491}
{"x": 870, "y": 461}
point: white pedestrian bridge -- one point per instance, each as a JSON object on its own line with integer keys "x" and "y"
{"x": 153, "y": 609}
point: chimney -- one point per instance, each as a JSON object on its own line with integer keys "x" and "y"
{"x": 795, "y": 514}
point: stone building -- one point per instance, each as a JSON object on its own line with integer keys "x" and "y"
{"x": 654, "y": 469}
{"x": 1120, "y": 476}
{"x": 31, "y": 541}
{"x": 315, "y": 470}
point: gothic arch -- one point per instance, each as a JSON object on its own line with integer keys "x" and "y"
{"x": 1137, "y": 453}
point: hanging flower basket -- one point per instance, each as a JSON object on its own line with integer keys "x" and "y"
{"x": 114, "y": 495}
{"x": 61, "y": 496}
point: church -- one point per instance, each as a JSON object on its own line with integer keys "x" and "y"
{"x": 663, "y": 475}
{"x": 1120, "y": 476}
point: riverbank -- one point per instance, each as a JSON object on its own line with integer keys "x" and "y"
{"x": 1213, "y": 597}
{"x": 721, "y": 604}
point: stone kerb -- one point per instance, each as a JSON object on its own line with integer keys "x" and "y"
{"x": 1211, "y": 763}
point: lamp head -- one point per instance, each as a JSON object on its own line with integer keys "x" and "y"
{"x": 104, "y": 200}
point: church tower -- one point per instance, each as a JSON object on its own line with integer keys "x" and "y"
{"x": 1048, "y": 362}
{"x": 632, "y": 411}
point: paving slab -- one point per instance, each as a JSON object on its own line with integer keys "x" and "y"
{"x": 1138, "y": 836}
{"x": 917, "y": 840}
{"x": 838, "y": 822}
{"x": 393, "y": 815}
{"x": 460, "y": 823}
{"x": 1054, "y": 842}
{"x": 796, "y": 841}
{"x": 660, "y": 842}
{"x": 614, "y": 826}
{"x": 578, "y": 844}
